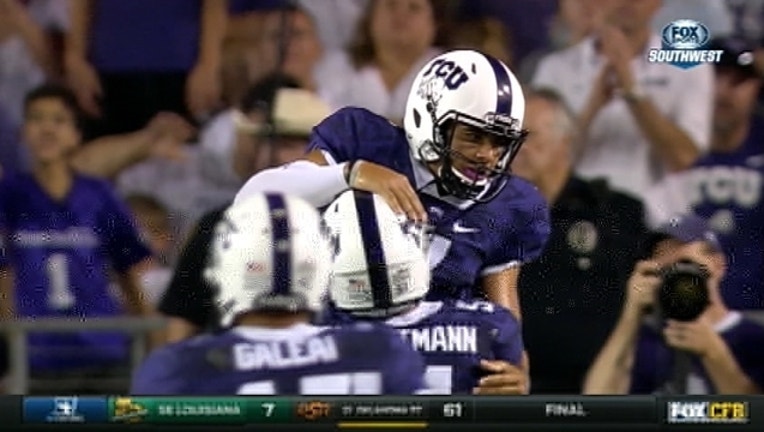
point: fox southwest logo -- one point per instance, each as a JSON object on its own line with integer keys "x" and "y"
{"x": 707, "y": 412}
{"x": 683, "y": 45}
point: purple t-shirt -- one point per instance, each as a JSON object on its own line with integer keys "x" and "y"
{"x": 61, "y": 253}
{"x": 145, "y": 35}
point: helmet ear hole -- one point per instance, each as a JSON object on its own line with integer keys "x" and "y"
{"x": 417, "y": 118}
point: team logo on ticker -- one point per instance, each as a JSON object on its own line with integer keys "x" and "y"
{"x": 313, "y": 410}
{"x": 127, "y": 411}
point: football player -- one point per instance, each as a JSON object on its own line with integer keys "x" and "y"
{"x": 380, "y": 273}
{"x": 448, "y": 165}
{"x": 270, "y": 262}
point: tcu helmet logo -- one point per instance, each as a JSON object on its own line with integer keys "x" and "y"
{"x": 452, "y": 74}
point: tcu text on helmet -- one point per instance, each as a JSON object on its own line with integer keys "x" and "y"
{"x": 453, "y": 75}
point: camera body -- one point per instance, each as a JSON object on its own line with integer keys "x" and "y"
{"x": 683, "y": 293}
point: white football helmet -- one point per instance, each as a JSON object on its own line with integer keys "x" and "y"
{"x": 380, "y": 265}
{"x": 469, "y": 87}
{"x": 270, "y": 252}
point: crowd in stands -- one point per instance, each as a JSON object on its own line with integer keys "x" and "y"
{"x": 156, "y": 112}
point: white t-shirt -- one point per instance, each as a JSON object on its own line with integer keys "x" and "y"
{"x": 615, "y": 147}
{"x": 364, "y": 87}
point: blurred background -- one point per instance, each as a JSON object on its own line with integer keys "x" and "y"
{"x": 178, "y": 102}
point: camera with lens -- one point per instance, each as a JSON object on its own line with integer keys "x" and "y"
{"x": 683, "y": 293}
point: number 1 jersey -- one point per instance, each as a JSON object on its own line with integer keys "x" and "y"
{"x": 61, "y": 253}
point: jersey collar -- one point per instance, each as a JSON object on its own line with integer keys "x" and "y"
{"x": 425, "y": 183}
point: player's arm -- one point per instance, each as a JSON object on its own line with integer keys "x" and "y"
{"x": 323, "y": 173}
{"x": 505, "y": 374}
{"x": 500, "y": 287}
{"x": 311, "y": 178}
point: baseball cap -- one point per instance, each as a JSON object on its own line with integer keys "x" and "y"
{"x": 737, "y": 54}
{"x": 687, "y": 228}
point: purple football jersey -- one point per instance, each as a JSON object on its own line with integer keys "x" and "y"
{"x": 728, "y": 190}
{"x": 653, "y": 364}
{"x": 453, "y": 336}
{"x": 470, "y": 239}
{"x": 61, "y": 253}
{"x": 300, "y": 360}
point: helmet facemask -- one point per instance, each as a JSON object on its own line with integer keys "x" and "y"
{"x": 482, "y": 183}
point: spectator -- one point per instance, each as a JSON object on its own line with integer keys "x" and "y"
{"x": 714, "y": 14}
{"x": 528, "y": 21}
{"x": 725, "y": 350}
{"x": 165, "y": 57}
{"x": 394, "y": 39}
{"x": 593, "y": 245}
{"x": 638, "y": 120}
{"x": 155, "y": 227}
{"x": 727, "y": 185}
{"x": 486, "y": 35}
{"x": 335, "y": 20}
{"x": 26, "y": 61}
{"x": 573, "y": 21}
{"x": 747, "y": 18}
{"x": 273, "y": 132}
{"x": 63, "y": 233}
{"x": 290, "y": 45}
{"x": 210, "y": 175}
{"x": 26, "y": 57}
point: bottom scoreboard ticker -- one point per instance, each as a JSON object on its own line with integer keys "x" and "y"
{"x": 368, "y": 412}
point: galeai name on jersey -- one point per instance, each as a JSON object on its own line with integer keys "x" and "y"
{"x": 725, "y": 185}
{"x": 285, "y": 354}
{"x": 447, "y": 338}
{"x": 70, "y": 237}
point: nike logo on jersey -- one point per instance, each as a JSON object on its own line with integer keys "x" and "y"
{"x": 461, "y": 229}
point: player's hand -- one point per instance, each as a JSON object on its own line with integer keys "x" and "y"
{"x": 504, "y": 379}
{"x": 642, "y": 284}
{"x": 392, "y": 186}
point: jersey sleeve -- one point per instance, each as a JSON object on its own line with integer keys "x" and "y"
{"x": 337, "y": 136}
{"x": 526, "y": 234}
{"x": 123, "y": 244}
{"x": 508, "y": 344}
{"x": 405, "y": 375}
{"x": 158, "y": 375}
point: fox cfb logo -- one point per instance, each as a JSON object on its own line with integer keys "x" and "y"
{"x": 683, "y": 42}
{"x": 707, "y": 412}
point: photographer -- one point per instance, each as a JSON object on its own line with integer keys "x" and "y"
{"x": 675, "y": 334}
